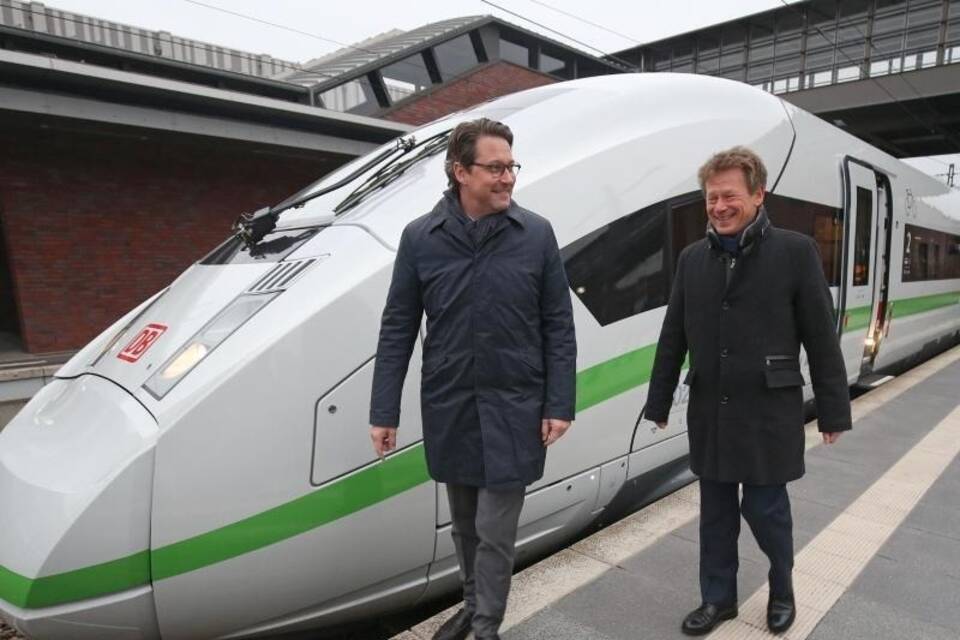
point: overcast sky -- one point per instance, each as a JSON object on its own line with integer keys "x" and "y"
{"x": 307, "y": 29}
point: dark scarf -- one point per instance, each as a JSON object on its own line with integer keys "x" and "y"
{"x": 745, "y": 241}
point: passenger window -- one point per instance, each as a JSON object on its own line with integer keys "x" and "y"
{"x": 817, "y": 221}
{"x": 929, "y": 254}
{"x": 861, "y": 241}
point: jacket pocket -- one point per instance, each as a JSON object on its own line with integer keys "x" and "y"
{"x": 690, "y": 377}
{"x": 782, "y": 362}
{"x": 779, "y": 378}
{"x": 783, "y": 371}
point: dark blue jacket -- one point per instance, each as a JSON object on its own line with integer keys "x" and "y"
{"x": 500, "y": 352}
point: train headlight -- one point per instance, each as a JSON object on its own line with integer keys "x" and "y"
{"x": 206, "y": 340}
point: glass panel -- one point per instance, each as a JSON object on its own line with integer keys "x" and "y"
{"x": 928, "y": 59}
{"x": 846, "y": 74}
{"x": 619, "y": 270}
{"x": 789, "y": 24}
{"x": 780, "y": 86}
{"x": 682, "y": 52}
{"x": 733, "y": 36}
{"x": 822, "y": 38}
{"x": 820, "y": 59}
{"x": 924, "y": 38}
{"x": 708, "y": 44}
{"x": 924, "y": 15}
{"x": 822, "y": 78}
{"x": 737, "y": 74}
{"x": 455, "y": 56}
{"x": 758, "y": 72}
{"x": 689, "y": 220}
{"x": 852, "y": 33}
{"x": 889, "y": 24}
{"x": 515, "y": 53}
{"x": 761, "y": 31}
{"x": 854, "y": 8}
{"x": 405, "y": 77}
{"x": 355, "y": 96}
{"x": 861, "y": 240}
{"x": 850, "y": 54}
{"x": 954, "y": 55}
{"x": 549, "y": 64}
{"x": 891, "y": 44}
{"x": 879, "y": 68}
{"x": 708, "y": 65}
{"x": 817, "y": 221}
{"x": 761, "y": 52}
{"x": 732, "y": 59}
{"x": 909, "y": 62}
{"x": 793, "y": 84}
{"x": 685, "y": 67}
{"x": 661, "y": 61}
{"x": 953, "y": 31}
{"x": 788, "y": 46}
{"x": 822, "y": 13}
{"x": 788, "y": 66}
{"x": 929, "y": 254}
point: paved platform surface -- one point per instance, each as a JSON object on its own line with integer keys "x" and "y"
{"x": 877, "y": 539}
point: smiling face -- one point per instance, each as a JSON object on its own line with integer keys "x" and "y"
{"x": 730, "y": 205}
{"x": 482, "y": 191}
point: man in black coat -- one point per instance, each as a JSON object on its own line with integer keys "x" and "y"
{"x": 743, "y": 302}
{"x": 499, "y": 358}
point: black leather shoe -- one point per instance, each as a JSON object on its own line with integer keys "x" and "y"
{"x": 781, "y": 612}
{"x": 456, "y": 628}
{"x": 704, "y": 618}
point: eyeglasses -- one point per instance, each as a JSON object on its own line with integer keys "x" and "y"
{"x": 496, "y": 169}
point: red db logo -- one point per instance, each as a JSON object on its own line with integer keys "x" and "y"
{"x": 139, "y": 345}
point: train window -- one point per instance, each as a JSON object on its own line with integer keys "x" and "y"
{"x": 929, "y": 254}
{"x": 273, "y": 248}
{"x": 817, "y": 221}
{"x": 688, "y": 222}
{"x": 861, "y": 240}
{"x": 619, "y": 270}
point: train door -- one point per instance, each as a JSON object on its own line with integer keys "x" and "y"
{"x": 860, "y": 259}
{"x": 881, "y": 309}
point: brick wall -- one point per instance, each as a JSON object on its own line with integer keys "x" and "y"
{"x": 486, "y": 82}
{"x": 97, "y": 221}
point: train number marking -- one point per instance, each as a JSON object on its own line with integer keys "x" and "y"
{"x": 143, "y": 341}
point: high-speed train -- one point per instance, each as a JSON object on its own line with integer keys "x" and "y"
{"x": 203, "y": 468}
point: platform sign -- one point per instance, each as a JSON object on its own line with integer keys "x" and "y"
{"x": 143, "y": 341}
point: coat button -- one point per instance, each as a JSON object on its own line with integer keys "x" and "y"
{"x": 724, "y": 400}
{"x": 725, "y": 305}
{"x": 723, "y": 353}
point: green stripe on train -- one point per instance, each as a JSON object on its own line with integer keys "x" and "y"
{"x": 396, "y": 474}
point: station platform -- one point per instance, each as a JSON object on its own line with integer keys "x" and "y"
{"x": 876, "y": 535}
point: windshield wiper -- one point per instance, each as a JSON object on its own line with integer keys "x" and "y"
{"x": 390, "y": 172}
{"x": 252, "y": 227}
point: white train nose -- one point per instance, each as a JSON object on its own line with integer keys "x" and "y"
{"x": 76, "y": 468}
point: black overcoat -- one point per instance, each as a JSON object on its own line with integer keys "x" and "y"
{"x": 743, "y": 320}
{"x": 499, "y": 354}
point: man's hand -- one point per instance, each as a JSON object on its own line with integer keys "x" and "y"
{"x": 662, "y": 425}
{"x": 829, "y": 437}
{"x": 384, "y": 440}
{"x": 551, "y": 429}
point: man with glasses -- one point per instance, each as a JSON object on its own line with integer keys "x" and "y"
{"x": 499, "y": 359}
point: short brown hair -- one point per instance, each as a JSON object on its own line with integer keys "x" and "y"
{"x": 735, "y": 158}
{"x": 462, "y": 144}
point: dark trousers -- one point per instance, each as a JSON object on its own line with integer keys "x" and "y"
{"x": 484, "y": 534}
{"x": 767, "y": 510}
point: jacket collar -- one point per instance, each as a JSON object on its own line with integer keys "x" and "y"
{"x": 448, "y": 208}
{"x": 749, "y": 237}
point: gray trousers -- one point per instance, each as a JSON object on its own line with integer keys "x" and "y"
{"x": 485, "y": 533}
